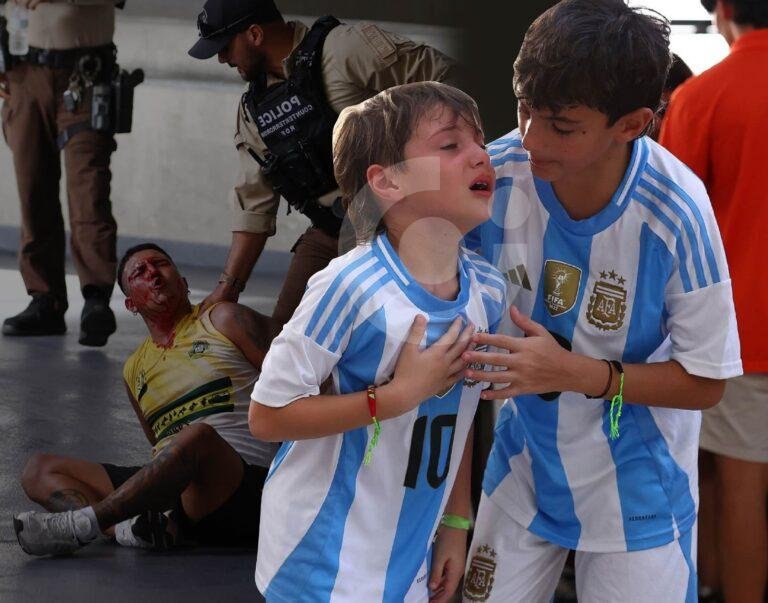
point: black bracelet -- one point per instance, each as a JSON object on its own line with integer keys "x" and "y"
{"x": 607, "y": 385}
{"x": 618, "y": 366}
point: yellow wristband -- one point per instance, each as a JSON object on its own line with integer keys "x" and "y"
{"x": 456, "y": 521}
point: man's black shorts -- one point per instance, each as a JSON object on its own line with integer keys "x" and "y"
{"x": 235, "y": 523}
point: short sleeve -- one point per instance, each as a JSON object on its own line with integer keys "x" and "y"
{"x": 702, "y": 327}
{"x": 295, "y": 368}
{"x": 254, "y": 202}
{"x": 299, "y": 360}
{"x": 701, "y": 318}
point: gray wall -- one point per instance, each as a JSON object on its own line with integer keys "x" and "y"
{"x": 433, "y": 12}
{"x": 173, "y": 173}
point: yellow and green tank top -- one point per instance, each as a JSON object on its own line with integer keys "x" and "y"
{"x": 203, "y": 376}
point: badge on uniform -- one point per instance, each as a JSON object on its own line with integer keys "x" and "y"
{"x": 479, "y": 580}
{"x": 607, "y": 304}
{"x": 199, "y": 347}
{"x": 561, "y": 286}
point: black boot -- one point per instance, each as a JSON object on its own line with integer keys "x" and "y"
{"x": 97, "y": 322}
{"x": 43, "y": 316}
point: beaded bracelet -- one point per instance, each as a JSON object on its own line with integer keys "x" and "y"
{"x": 617, "y": 401}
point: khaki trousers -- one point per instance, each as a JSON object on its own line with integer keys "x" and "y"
{"x": 311, "y": 253}
{"x": 32, "y": 120}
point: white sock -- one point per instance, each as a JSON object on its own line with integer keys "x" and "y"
{"x": 86, "y": 524}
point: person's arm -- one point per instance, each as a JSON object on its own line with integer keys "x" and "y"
{"x": 250, "y": 331}
{"x": 419, "y": 374}
{"x": 449, "y": 553}
{"x": 537, "y": 364}
{"x": 255, "y": 207}
{"x": 142, "y": 421}
{"x": 412, "y": 62}
{"x": 244, "y": 252}
{"x": 364, "y": 59}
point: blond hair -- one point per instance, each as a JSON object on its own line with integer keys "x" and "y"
{"x": 376, "y": 132}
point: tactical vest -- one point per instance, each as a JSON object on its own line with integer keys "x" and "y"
{"x": 296, "y": 122}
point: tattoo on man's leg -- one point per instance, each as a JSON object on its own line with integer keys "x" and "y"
{"x": 66, "y": 500}
{"x": 156, "y": 487}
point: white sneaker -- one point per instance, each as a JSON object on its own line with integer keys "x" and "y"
{"x": 150, "y": 530}
{"x": 48, "y": 533}
{"x": 124, "y": 535}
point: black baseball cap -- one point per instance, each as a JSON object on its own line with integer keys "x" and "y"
{"x": 221, "y": 20}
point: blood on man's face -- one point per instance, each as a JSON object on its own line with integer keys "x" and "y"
{"x": 153, "y": 283}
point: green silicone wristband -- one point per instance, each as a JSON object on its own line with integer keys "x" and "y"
{"x": 456, "y": 521}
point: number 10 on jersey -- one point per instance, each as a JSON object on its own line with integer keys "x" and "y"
{"x": 439, "y": 427}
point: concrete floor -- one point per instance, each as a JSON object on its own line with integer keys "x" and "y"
{"x": 60, "y": 397}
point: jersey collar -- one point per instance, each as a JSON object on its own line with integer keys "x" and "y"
{"x": 421, "y": 298}
{"x": 611, "y": 212}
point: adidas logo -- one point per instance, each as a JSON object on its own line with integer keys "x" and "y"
{"x": 519, "y": 276}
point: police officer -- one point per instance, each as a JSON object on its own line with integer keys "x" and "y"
{"x": 300, "y": 79}
{"x": 70, "y": 52}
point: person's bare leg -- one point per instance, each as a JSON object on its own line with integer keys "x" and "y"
{"x": 198, "y": 466}
{"x": 708, "y": 562}
{"x": 60, "y": 483}
{"x": 742, "y": 491}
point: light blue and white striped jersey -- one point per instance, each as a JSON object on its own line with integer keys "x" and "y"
{"x": 644, "y": 280}
{"x": 333, "y": 529}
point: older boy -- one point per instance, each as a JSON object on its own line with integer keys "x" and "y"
{"x": 613, "y": 252}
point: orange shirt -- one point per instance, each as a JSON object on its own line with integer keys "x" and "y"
{"x": 717, "y": 123}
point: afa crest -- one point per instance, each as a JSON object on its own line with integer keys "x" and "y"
{"x": 608, "y": 302}
{"x": 479, "y": 580}
{"x": 561, "y": 286}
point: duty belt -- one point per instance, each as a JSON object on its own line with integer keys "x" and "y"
{"x": 65, "y": 59}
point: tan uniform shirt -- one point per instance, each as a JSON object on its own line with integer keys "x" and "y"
{"x": 358, "y": 62}
{"x": 64, "y": 24}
